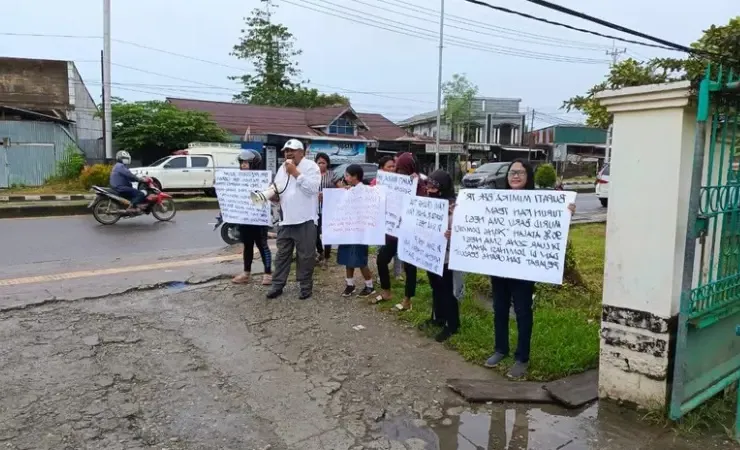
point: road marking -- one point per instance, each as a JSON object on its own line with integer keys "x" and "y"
{"x": 117, "y": 270}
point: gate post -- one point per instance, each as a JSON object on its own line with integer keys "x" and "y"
{"x": 651, "y": 164}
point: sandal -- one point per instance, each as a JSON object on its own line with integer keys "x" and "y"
{"x": 378, "y": 299}
{"x": 242, "y": 278}
{"x": 404, "y": 306}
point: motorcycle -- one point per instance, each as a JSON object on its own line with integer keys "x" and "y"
{"x": 108, "y": 207}
{"x": 229, "y": 231}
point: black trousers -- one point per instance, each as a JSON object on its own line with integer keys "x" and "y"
{"x": 251, "y": 235}
{"x": 445, "y": 308}
{"x": 321, "y": 249}
{"x": 385, "y": 255}
{"x": 519, "y": 292}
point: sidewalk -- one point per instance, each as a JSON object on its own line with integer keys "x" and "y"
{"x": 72, "y": 207}
{"x": 18, "y": 198}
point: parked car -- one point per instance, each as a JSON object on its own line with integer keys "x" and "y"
{"x": 192, "y": 169}
{"x": 370, "y": 172}
{"x": 602, "y": 185}
{"x": 487, "y": 176}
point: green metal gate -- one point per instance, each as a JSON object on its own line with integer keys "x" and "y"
{"x": 707, "y": 359}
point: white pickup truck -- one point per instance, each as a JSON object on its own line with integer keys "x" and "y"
{"x": 190, "y": 170}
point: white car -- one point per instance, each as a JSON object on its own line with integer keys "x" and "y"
{"x": 602, "y": 185}
{"x": 193, "y": 169}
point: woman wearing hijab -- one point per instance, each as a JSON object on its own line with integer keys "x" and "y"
{"x": 405, "y": 165}
{"x": 445, "y": 308}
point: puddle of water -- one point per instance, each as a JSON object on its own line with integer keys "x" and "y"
{"x": 544, "y": 427}
{"x": 176, "y": 285}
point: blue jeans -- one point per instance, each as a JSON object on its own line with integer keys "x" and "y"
{"x": 131, "y": 193}
{"x": 505, "y": 292}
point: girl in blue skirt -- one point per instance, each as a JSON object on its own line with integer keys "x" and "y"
{"x": 354, "y": 256}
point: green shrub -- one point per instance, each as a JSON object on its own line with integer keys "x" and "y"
{"x": 96, "y": 175}
{"x": 545, "y": 176}
{"x": 71, "y": 165}
{"x": 571, "y": 274}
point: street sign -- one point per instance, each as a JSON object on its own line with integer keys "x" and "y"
{"x": 445, "y": 148}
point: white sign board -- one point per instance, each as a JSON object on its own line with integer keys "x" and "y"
{"x": 271, "y": 159}
{"x": 423, "y": 249}
{"x": 511, "y": 234}
{"x": 395, "y": 187}
{"x": 353, "y": 216}
{"x": 421, "y": 240}
{"x": 233, "y": 187}
{"x": 424, "y": 213}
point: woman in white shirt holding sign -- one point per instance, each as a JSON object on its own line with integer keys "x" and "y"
{"x": 519, "y": 292}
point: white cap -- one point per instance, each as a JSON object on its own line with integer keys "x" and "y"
{"x": 293, "y": 144}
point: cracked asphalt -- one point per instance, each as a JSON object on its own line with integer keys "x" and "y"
{"x": 179, "y": 359}
{"x": 212, "y": 366}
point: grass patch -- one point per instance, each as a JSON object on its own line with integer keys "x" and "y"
{"x": 56, "y": 187}
{"x": 718, "y": 413}
{"x": 565, "y": 339}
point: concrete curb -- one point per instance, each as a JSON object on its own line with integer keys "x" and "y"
{"x": 76, "y": 208}
{"x": 77, "y": 197}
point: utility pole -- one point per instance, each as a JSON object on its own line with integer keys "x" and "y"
{"x": 530, "y": 139}
{"x": 439, "y": 82}
{"x": 107, "y": 120}
{"x": 102, "y": 92}
{"x": 615, "y": 52}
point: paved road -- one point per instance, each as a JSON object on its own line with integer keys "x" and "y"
{"x": 70, "y": 241}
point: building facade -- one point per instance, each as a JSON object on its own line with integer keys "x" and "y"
{"x": 45, "y": 108}
{"x": 344, "y": 134}
{"x": 492, "y": 120}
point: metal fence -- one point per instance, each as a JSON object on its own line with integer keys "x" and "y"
{"x": 28, "y": 164}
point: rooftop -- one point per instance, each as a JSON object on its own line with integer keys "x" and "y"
{"x": 237, "y": 118}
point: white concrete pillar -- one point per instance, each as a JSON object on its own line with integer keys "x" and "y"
{"x": 652, "y": 151}
{"x": 495, "y": 135}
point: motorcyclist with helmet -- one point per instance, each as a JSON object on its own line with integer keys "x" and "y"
{"x": 121, "y": 180}
{"x": 253, "y": 234}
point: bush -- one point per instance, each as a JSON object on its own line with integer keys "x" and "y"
{"x": 96, "y": 175}
{"x": 545, "y": 176}
{"x": 571, "y": 274}
{"x": 70, "y": 167}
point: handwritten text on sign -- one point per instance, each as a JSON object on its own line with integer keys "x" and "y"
{"x": 233, "y": 187}
{"x": 512, "y": 234}
{"x": 396, "y": 187}
{"x": 353, "y": 216}
{"x": 425, "y": 213}
{"x": 423, "y": 249}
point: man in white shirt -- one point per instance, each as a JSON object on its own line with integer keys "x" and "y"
{"x": 297, "y": 182}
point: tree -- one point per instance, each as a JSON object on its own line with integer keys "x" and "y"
{"x": 270, "y": 47}
{"x": 458, "y": 99}
{"x": 151, "y": 129}
{"x": 622, "y": 74}
{"x": 718, "y": 45}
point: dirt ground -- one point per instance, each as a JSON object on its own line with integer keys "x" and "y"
{"x": 217, "y": 366}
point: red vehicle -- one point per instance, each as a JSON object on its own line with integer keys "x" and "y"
{"x": 109, "y": 207}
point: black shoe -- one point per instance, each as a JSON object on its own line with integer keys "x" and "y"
{"x": 366, "y": 292}
{"x": 348, "y": 290}
{"x": 305, "y": 295}
{"x": 274, "y": 293}
{"x": 444, "y": 335}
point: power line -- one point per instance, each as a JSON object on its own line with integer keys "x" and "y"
{"x": 502, "y": 31}
{"x": 336, "y": 88}
{"x": 570, "y": 27}
{"x": 605, "y": 23}
{"x": 338, "y": 11}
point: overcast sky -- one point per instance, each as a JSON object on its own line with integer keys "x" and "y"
{"x": 392, "y": 71}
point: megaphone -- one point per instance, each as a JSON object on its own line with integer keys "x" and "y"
{"x": 264, "y": 196}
